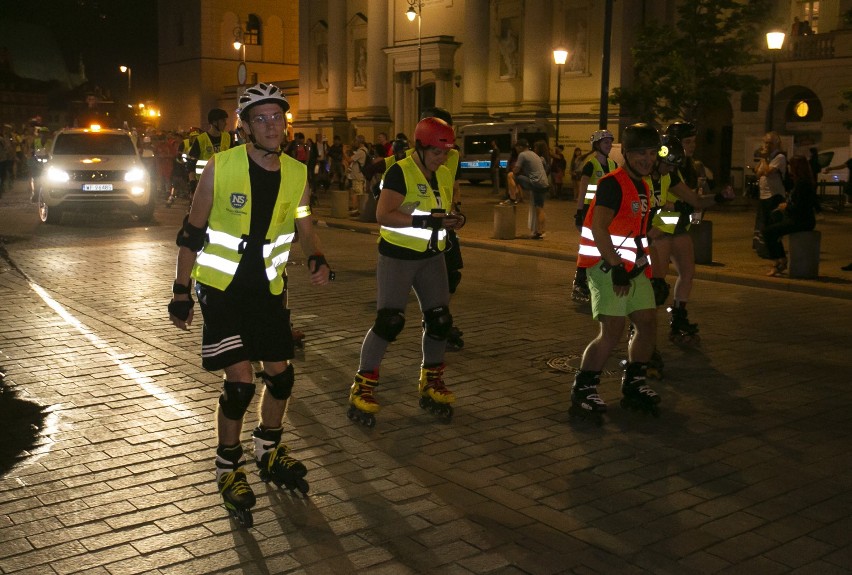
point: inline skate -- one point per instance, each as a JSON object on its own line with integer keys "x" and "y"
{"x": 363, "y": 406}
{"x": 585, "y": 401}
{"x": 637, "y": 395}
{"x": 274, "y": 461}
{"x": 237, "y": 496}
{"x": 682, "y": 332}
{"x": 434, "y": 395}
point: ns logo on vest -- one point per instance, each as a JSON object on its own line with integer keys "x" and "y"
{"x": 238, "y": 200}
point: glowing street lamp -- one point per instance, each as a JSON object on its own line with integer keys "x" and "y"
{"x": 411, "y": 14}
{"x": 560, "y": 56}
{"x": 127, "y": 70}
{"x": 774, "y": 41}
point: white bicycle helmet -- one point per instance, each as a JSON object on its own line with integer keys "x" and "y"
{"x": 599, "y": 135}
{"x": 261, "y": 94}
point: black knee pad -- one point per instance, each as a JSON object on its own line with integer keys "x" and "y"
{"x": 438, "y": 322}
{"x": 280, "y": 385}
{"x": 235, "y": 399}
{"x": 389, "y": 322}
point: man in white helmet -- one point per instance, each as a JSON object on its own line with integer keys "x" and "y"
{"x": 250, "y": 202}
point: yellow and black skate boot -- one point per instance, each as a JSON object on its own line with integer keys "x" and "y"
{"x": 363, "y": 405}
{"x": 237, "y": 496}
{"x": 274, "y": 461}
{"x": 434, "y": 395}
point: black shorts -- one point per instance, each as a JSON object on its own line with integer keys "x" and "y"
{"x": 243, "y": 328}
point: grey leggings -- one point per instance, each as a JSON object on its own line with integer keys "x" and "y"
{"x": 395, "y": 278}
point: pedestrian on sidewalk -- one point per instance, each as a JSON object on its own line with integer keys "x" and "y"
{"x": 770, "y": 172}
{"x": 612, "y": 249}
{"x": 797, "y": 214}
{"x": 250, "y": 202}
{"x": 530, "y": 172}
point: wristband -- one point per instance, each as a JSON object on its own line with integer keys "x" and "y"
{"x": 180, "y": 289}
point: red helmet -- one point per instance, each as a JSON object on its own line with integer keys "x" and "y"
{"x": 436, "y": 133}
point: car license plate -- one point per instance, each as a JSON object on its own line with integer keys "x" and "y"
{"x": 97, "y": 187}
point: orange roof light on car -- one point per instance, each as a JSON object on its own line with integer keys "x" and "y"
{"x": 95, "y": 128}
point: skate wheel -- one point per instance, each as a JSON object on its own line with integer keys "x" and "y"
{"x": 243, "y": 517}
{"x": 302, "y": 486}
{"x": 369, "y": 420}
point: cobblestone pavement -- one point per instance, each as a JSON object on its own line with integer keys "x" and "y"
{"x": 747, "y": 469}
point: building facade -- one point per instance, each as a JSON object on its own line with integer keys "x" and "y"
{"x": 361, "y": 66}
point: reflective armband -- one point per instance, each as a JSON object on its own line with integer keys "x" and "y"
{"x": 303, "y": 212}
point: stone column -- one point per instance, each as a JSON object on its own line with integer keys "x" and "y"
{"x": 474, "y": 71}
{"x": 336, "y": 59}
{"x": 377, "y": 61}
{"x": 304, "y": 60}
{"x": 537, "y": 58}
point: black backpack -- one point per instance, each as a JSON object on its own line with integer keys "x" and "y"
{"x": 786, "y": 178}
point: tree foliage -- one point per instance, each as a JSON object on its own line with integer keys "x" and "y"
{"x": 695, "y": 64}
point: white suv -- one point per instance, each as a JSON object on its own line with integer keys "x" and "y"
{"x": 93, "y": 169}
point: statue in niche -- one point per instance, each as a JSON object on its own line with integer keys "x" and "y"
{"x": 322, "y": 66}
{"x": 508, "y": 51}
{"x": 360, "y": 64}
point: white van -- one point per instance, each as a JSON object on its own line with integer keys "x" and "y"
{"x": 475, "y": 143}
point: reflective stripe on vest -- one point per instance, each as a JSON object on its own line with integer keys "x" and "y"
{"x": 230, "y": 220}
{"x": 664, "y": 220}
{"x": 597, "y": 173}
{"x": 419, "y": 193}
{"x": 626, "y": 228}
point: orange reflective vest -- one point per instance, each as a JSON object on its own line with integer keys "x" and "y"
{"x": 627, "y": 229}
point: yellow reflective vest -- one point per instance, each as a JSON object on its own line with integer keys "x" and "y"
{"x": 420, "y": 195}
{"x": 206, "y": 149}
{"x": 230, "y": 220}
{"x": 597, "y": 174}
{"x": 664, "y": 220}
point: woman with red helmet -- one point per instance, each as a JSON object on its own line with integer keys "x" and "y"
{"x": 413, "y": 215}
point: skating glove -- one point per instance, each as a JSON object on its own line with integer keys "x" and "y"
{"x": 316, "y": 261}
{"x": 620, "y": 277}
{"x": 427, "y": 222}
{"x": 181, "y": 308}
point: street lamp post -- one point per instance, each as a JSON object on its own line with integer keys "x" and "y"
{"x": 774, "y": 41}
{"x": 129, "y": 72}
{"x": 240, "y": 46}
{"x": 411, "y": 14}
{"x": 560, "y": 56}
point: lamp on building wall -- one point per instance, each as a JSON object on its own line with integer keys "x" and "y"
{"x": 411, "y": 14}
{"x": 240, "y": 46}
{"x": 560, "y": 56}
{"x": 129, "y": 72}
{"x": 774, "y": 41}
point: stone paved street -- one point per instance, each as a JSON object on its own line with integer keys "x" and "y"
{"x": 748, "y": 469}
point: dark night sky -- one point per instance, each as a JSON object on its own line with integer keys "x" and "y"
{"x": 107, "y": 33}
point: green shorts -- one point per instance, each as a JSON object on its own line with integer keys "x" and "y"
{"x": 605, "y": 302}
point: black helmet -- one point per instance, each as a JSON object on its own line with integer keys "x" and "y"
{"x": 681, "y": 130}
{"x": 399, "y": 145}
{"x": 671, "y": 150}
{"x": 639, "y": 136}
{"x": 435, "y": 112}
{"x": 216, "y": 114}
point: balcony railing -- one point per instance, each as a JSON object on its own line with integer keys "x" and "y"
{"x": 834, "y": 44}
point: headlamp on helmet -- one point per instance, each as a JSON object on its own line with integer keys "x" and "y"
{"x": 671, "y": 150}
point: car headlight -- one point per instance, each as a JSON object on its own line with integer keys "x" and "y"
{"x": 56, "y": 175}
{"x": 134, "y": 175}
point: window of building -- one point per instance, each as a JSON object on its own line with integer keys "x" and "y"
{"x": 252, "y": 35}
{"x": 810, "y": 13}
